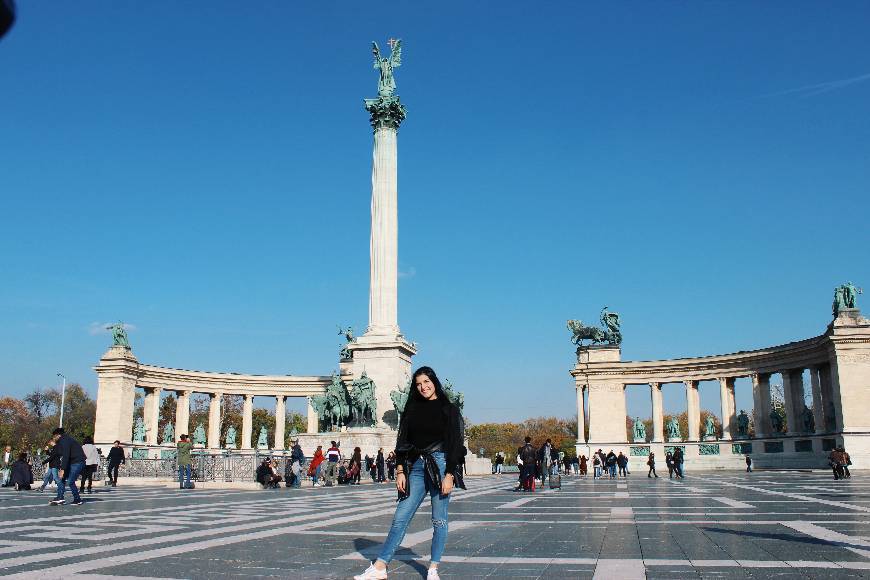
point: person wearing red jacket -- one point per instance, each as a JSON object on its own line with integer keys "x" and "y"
{"x": 314, "y": 467}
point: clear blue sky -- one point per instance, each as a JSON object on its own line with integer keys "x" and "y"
{"x": 202, "y": 172}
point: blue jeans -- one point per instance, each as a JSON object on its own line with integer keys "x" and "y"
{"x": 70, "y": 478}
{"x": 184, "y": 470}
{"x": 420, "y": 485}
{"x": 51, "y": 474}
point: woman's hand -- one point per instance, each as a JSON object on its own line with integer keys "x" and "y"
{"x": 400, "y": 482}
{"x": 447, "y": 484}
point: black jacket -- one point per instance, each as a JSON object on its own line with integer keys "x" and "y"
{"x": 116, "y": 456}
{"x": 52, "y": 459}
{"x": 453, "y": 442}
{"x": 70, "y": 452}
{"x": 21, "y": 473}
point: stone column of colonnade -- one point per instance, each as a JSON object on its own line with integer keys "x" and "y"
{"x": 818, "y": 405}
{"x": 761, "y": 403}
{"x": 793, "y": 392}
{"x": 280, "y": 413}
{"x": 312, "y": 418}
{"x": 247, "y": 421}
{"x": 182, "y": 413}
{"x": 151, "y": 412}
{"x": 581, "y": 415}
{"x": 658, "y": 412}
{"x": 693, "y": 410}
{"x": 214, "y": 420}
{"x": 729, "y": 413}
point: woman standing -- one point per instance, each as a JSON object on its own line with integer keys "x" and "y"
{"x": 429, "y": 458}
{"x": 92, "y": 463}
{"x": 355, "y": 468}
{"x": 314, "y": 466}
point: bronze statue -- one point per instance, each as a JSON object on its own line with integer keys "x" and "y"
{"x": 119, "y": 335}
{"x": 386, "y": 82}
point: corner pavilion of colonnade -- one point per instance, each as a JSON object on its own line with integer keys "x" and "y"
{"x": 838, "y": 362}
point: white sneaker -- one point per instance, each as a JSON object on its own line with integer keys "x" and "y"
{"x": 373, "y": 573}
{"x": 432, "y": 574}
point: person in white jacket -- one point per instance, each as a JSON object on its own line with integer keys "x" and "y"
{"x": 92, "y": 463}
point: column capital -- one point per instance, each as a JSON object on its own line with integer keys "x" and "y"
{"x": 655, "y": 385}
{"x": 249, "y": 397}
{"x": 386, "y": 112}
{"x": 281, "y": 397}
{"x": 691, "y": 384}
{"x": 216, "y": 394}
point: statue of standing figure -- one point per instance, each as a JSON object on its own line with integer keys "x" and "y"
{"x": 386, "y": 82}
{"x": 199, "y": 435}
{"x": 742, "y": 424}
{"x": 845, "y": 297}
{"x": 809, "y": 422}
{"x": 139, "y": 431}
{"x": 639, "y": 430}
{"x": 775, "y": 421}
{"x": 400, "y": 399}
{"x": 263, "y": 439}
{"x": 346, "y": 353}
{"x": 230, "y": 441}
{"x": 673, "y": 429}
{"x": 168, "y": 434}
{"x": 119, "y": 335}
{"x": 709, "y": 428}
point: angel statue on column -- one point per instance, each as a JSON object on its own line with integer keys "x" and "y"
{"x": 386, "y": 84}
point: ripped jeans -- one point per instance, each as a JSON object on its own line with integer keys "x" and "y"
{"x": 405, "y": 510}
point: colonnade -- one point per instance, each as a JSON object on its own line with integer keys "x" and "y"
{"x": 151, "y": 414}
{"x": 823, "y": 406}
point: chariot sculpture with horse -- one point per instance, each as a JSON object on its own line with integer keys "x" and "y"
{"x": 608, "y": 333}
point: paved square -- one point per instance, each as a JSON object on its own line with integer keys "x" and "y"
{"x": 765, "y": 524}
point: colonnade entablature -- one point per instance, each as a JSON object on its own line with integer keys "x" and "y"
{"x": 119, "y": 373}
{"x": 837, "y": 363}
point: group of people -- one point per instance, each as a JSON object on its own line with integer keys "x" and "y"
{"x": 535, "y": 464}
{"x": 610, "y": 464}
{"x": 840, "y": 461}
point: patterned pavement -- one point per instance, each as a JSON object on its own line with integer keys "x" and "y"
{"x": 711, "y": 525}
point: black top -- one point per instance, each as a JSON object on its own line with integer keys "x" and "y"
{"x": 21, "y": 473}
{"x": 116, "y": 455}
{"x": 451, "y": 433}
{"x": 70, "y": 452}
{"x": 426, "y": 424}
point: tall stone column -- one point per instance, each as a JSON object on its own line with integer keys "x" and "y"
{"x": 693, "y": 410}
{"x": 117, "y": 374}
{"x": 658, "y": 412}
{"x": 726, "y": 400}
{"x": 214, "y": 421}
{"x": 761, "y": 403}
{"x": 312, "y": 418}
{"x": 151, "y": 415}
{"x": 793, "y": 389}
{"x": 247, "y": 421}
{"x": 382, "y": 352}
{"x": 607, "y": 413}
{"x": 581, "y": 415}
{"x": 833, "y": 415}
{"x": 818, "y": 405}
{"x": 280, "y": 414}
{"x": 182, "y": 413}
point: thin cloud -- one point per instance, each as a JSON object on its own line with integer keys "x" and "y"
{"x": 95, "y": 328}
{"x": 818, "y": 88}
{"x": 409, "y": 273}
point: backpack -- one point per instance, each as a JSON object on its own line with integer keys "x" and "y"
{"x": 528, "y": 455}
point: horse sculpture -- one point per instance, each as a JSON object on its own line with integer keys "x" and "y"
{"x": 608, "y": 333}
{"x": 333, "y": 407}
{"x": 363, "y": 401}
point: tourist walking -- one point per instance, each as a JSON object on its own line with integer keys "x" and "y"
{"x": 526, "y": 459}
{"x": 92, "y": 463}
{"x": 391, "y": 466}
{"x": 836, "y": 461}
{"x": 6, "y": 466}
{"x": 583, "y": 466}
{"x": 314, "y": 466}
{"x": 748, "y": 464}
{"x": 297, "y": 458}
{"x": 544, "y": 460}
{"x": 678, "y": 462}
{"x": 355, "y": 468}
{"x": 651, "y": 462}
{"x": 622, "y": 463}
{"x": 847, "y": 461}
{"x": 381, "y": 466}
{"x": 429, "y": 456}
{"x": 669, "y": 462}
{"x": 52, "y": 465}
{"x": 610, "y": 463}
{"x": 596, "y": 466}
{"x": 333, "y": 457}
{"x": 21, "y": 477}
{"x": 499, "y": 462}
{"x": 183, "y": 448}
{"x": 72, "y": 462}
{"x": 116, "y": 459}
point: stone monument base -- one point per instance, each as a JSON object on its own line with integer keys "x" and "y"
{"x": 709, "y": 438}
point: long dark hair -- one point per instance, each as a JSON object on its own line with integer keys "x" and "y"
{"x": 415, "y": 398}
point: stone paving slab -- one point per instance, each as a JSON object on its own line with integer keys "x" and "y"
{"x": 710, "y": 525}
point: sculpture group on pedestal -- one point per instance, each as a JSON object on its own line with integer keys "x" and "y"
{"x": 364, "y": 405}
{"x": 199, "y": 435}
{"x": 230, "y": 440}
{"x": 673, "y": 429}
{"x": 639, "y": 431}
{"x": 139, "y": 431}
{"x": 845, "y": 297}
{"x": 742, "y": 424}
{"x": 346, "y": 354}
{"x": 263, "y": 439}
{"x": 168, "y": 434}
{"x": 709, "y": 428}
{"x": 337, "y": 408}
{"x": 609, "y": 332}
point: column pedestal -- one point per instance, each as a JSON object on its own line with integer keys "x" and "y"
{"x": 388, "y": 363}
{"x": 117, "y": 374}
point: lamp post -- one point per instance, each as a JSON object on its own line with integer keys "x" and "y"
{"x": 62, "y": 397}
